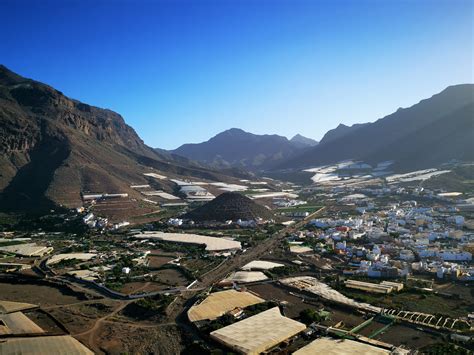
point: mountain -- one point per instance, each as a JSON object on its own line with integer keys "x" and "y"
{"x": 303, "y": 142}
{"x": 340, "y": 131}
{"x": 237, "y": 148}
{"x": 229, "y": 206}
{"x": 429, "y": 133}
{"x": 53, "y": 148}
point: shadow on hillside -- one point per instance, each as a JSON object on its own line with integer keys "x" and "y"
{"x": 26, "y": 191}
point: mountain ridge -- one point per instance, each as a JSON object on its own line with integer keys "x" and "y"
{"x": 367, "y": 141}
{"x": 237, "y": 148}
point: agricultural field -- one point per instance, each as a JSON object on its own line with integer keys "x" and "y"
{"x": 40, "y": 293}
{"x": 299, "y": 208}
{"x": 414, "y": 300}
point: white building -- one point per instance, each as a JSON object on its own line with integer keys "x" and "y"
{"x": 455, "y": 255}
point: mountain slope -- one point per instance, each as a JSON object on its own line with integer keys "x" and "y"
{"x": 413, "y": 137}
{"x": 451, "y": 137}
{"x": 52, "y": 148}
{"x": 237, "y": 148}
{"x": 303, "y": 142}
{"x": 340, "y": 131}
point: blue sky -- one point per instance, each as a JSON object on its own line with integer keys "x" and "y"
{"x": 181, "y": 71}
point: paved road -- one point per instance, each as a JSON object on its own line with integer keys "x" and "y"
{"x": 237, "y": 262}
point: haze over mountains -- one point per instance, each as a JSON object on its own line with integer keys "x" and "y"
{"x": 426, "y": 134}
{"x": 237, "y": 148}
{"x": 52, "y": 148}
{"x": 432, "y": 132}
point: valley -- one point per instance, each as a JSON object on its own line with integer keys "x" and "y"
{"x": 243, "y": 243}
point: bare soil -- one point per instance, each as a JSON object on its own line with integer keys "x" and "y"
{"x": 158, "y": 261}
{"x": 39, "y": 294}
{"x": 410, "y": 337}
{"x": 171, "y": 277}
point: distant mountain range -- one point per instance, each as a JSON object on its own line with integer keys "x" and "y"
{"x": 432, "y": 132}
{"x": 237, "y": 148}
{"x": 52, "y": 148}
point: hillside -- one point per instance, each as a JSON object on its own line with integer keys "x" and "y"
{"x": 429, "y": 133}
{"x": 240, "y": 149}
{"x": 229, "y": 206}
{"x": 52, "y": 148}
{"x": 340, "y": 131}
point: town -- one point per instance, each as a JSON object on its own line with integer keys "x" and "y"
{"x": 382, "y": 263}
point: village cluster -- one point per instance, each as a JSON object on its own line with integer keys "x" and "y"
{"x": 341, "y": 260}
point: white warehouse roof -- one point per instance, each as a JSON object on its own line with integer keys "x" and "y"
{"x": 30, "y": 249}
{"x": 261, "y": 265}
{"x": 258, "y": 333}
{"x": 330, "y": 346}
{"x": 219, "y": 303}
{"x": 79, "y": 256}
{"x": 211, "y": 243}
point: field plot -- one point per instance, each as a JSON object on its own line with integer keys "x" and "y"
{"x": 171, "y": 277}
{"x": 123, "y": 338}
{"x": 300, "y": 208}
{"x": 44, "y": 321}
{"x": 294, "y": 304}
{"x": 418, "y": 302}
{"x": 156, "y": 261}
{"x": 125, "y": 210}
{"x": 349, "y": 319}
{"x": 199, "y": 266}
{"x": 130, "y": 288}
{"x": 408, "y": 336}
{"x": 81, "y": 317}
{"x": 40, "y": 294}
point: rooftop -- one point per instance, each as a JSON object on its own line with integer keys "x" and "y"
{"x": 211, "y": 243}
{"x": 219, "y": 303}
{"x": 258, "y": 333}
{"x": 51, "y": 345}
{"x": 330, "y": 346}
{"x": 9, "y": 307}
{"x": 261, "y": 265}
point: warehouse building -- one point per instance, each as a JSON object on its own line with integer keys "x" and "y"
{"x": 51, "y": 345}
{"x": 384, "y": 287}
{"x": 9, "y": 307}
{"x": 219, "y": 303}
{"x": 258, "y": 333}
{"x": 212, "y": 243}
{"x": 71, "y": 256}
{"x": 15, "y": 326}
{"x": 28, "y": 250}
{"x": 261, "y": 265}
{"x": 328, "y": 346}
{"x": 17, "y": 323}
{"x": 246, "y": 277}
